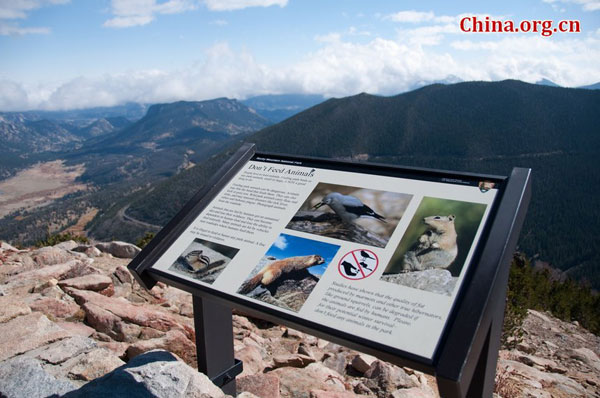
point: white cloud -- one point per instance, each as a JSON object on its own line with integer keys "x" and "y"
{"x": 281, "y": 243}
{"x": 339, "y": 68}
{"x": 8, "y": 29}
{"x": 19, "y": 9}
{"x": 128, "y": 13}
{"x": 410, "y": 16}
{"x": 570, "y": 63}
{"x": 12, "y": 95}
{"x": 229, "y": 5}
{"x": 586, "y": 5}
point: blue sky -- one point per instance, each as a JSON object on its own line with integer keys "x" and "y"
{"x": 61, "y": 54}
{"x": 291, "y": 246}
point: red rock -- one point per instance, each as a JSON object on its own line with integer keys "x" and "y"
{"x": 264, "y": 385}
{"x": 252, "y": 358}
{"x": 293, "y": 360}
{"x": 149, "y": 333}
{"x": 45, "y": 285}
{"x": 11, "y": 307}
{"x": 128, "y": 312}
{"x": 103, "y": 321}
{"x": 313, "y": 377}
{"x": 293, "y": 333}
{"x": 55, "y": 308}
{"x": 76, "y": 328}
{"x": 51, "y": 256}
{"x": 27, "y": 332}
{"x": 123, "y": 274}
{"x": 95, "y": 282}
{"x": 118, "y": 348}
{"x": 57, "y": 271}
{"x": 174, "y": 341}
{"x": 362, "y": 362}
{"x": 384, "y": 378}
{"x": 109, "y": 291}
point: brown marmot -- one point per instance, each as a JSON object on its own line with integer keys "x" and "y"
{"x": 436, "y": 248}
{"x": 271, "y": 272}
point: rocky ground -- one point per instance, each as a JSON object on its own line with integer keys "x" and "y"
{"x": 74, "y": 323}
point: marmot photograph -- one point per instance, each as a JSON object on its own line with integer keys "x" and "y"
{"x": 359, "y": 215}
{"x": 435, "y": 246}
{"x": 289, "y": 271}
{"x": 203, "y": 260}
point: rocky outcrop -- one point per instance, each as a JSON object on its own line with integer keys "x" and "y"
{"x": 81, "y": 341}
{"x": 554, "y": 359}
{"x": 438, "y": 281}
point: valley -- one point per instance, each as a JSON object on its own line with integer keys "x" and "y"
{"x": 39, "y": 185}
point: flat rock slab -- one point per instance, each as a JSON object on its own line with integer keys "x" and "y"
{"x": 11, "y": 307}
{"x": 65, "y": 349}
{"x": 25, "y": 377}
{"x": 27, "y": 333}
{"x": 95, "y": 282}
{"x": 128, "y": 312}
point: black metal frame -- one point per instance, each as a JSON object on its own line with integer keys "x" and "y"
{"x": 464, "y": 360}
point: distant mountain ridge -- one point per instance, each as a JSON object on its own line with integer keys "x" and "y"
{"x": 472, "y": 126}
{"x": 146, "y": 171}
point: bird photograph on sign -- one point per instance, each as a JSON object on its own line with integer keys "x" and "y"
{"x": 359, "y": 215}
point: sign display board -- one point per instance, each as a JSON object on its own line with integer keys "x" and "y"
{"x": 380, "y": 254}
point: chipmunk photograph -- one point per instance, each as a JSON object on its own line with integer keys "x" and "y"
{"x": 359, "y": 215}
{"x": 203, "y": 260}
{"x": 289, "y": 271}
{"x": 434, "y": 248}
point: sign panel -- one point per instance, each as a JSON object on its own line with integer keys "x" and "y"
{"x": 377, "y": 253}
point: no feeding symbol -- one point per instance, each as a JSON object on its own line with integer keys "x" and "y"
{"x": 358, "y": 264}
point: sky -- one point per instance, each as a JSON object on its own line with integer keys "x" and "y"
{"x": 70, "y": 54}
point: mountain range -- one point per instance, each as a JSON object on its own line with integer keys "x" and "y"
{"x": 145, "y": 172}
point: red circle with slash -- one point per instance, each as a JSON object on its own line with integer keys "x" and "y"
{"x": 358, "y": 264}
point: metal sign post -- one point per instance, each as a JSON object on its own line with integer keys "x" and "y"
{"x": 214, "y": 344}
{"x": 464, "y": 356}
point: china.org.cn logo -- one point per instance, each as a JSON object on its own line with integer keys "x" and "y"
{"x": 546, "y": 28}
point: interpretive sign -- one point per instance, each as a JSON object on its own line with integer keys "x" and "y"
{"x": 375, "y": 256}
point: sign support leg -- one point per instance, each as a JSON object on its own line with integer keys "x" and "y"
{"x": 214, "y": 343}
{"x": 484, "y": 377}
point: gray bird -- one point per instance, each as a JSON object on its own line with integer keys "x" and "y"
{"x": 348, "y": 207}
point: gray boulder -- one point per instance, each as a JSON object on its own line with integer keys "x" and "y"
{"x": 119, "y": 249}
{"x": 153, "y": 374}
{"x": 25, "y": 377}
